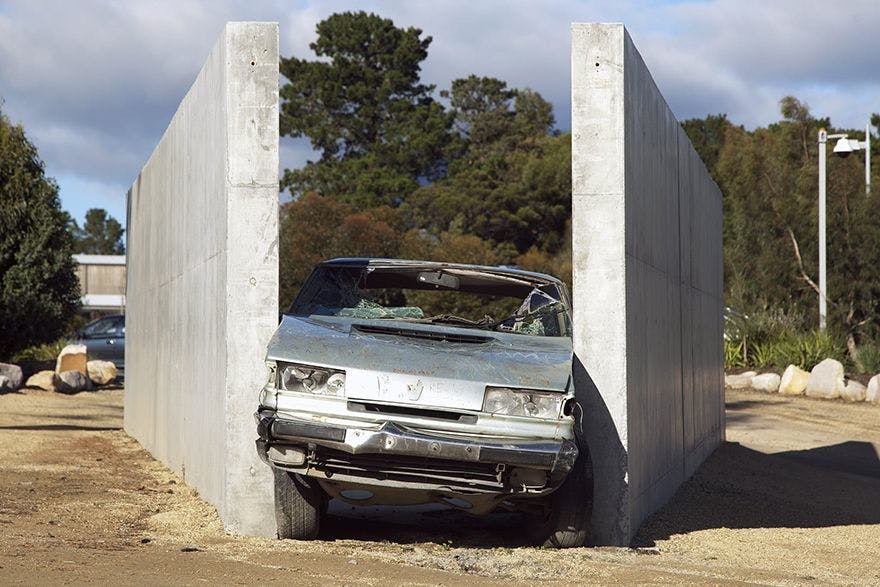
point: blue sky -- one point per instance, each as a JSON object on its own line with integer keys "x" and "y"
{"x": 95, "y": 82}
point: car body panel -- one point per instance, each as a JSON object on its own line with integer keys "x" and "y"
{"x": 411, "y": 370}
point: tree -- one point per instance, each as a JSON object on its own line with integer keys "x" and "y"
{"x": 363, "y": 107}
{"x": 39, "y": 291}
{"x": 316, "y": 228}
{"x": 101, "y": 234}
{"x": 707, "y": 136}
{"x": 512, "y": 186}
{"x": 768, "y": 178}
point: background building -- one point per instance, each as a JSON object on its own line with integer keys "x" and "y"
{"x": 102, "y": 282}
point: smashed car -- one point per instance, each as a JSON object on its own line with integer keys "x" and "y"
{"x": 412, "y": 382}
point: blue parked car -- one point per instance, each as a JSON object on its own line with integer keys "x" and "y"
{"x": 105, "y": 340}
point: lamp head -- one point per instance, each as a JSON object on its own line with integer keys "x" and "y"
{"x": 843, "y": 148}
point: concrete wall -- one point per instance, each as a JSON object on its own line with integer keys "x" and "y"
{"x": 203, "y": 279}
{"x": 647, "y": 285}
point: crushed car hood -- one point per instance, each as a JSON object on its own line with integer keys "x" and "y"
{"x": 393, "y": 361}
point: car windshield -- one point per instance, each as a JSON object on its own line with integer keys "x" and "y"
{"x": 460, "y": 296}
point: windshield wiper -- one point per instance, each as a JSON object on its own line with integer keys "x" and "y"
{"x": 450, "y": 319}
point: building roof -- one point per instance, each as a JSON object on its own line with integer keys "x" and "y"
{"x": 100, "y": 259}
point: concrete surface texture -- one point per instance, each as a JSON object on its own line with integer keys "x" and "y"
{"x": 647, "y": 285}
{"x": 202, "y": 285}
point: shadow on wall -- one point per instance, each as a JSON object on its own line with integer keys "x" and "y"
{"x": 598, "y": 432}
{"x": 741, "y": 488}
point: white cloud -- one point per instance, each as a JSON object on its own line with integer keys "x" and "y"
{"x": 95, "y": 82}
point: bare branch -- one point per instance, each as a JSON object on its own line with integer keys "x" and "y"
{"x": 800, "y": 262}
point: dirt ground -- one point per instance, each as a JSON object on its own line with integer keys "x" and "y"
{"x": 793, "y": 497}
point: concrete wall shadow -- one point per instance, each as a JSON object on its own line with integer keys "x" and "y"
{"x": 741, "y": 488}
{"x": 599, "y": 434}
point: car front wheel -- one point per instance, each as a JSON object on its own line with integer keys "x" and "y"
{"x": 299, "y": 506}
{"x": 565, "y": 522}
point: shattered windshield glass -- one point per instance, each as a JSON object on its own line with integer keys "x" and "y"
{"x": 460, "y": 297}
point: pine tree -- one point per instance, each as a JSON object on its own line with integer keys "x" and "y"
{"x": 39, "y": 291}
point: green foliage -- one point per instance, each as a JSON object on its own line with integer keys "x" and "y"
{"x": 316, "y": 228}
{"x": 773, "y": 338}
{"x": 804, "y": 349}
{"x": 733, "y": 355}
{"x": 516, "y": 190}
{"x": 707, "y": 136}
{"x": 768, "y": 178}
{"x": 39, "y": 291}
{"x": 867, "y": 357}
{"x": 41, "y": 352}
{"x": 363, "y": 107}
{"x": 101, "y": 234}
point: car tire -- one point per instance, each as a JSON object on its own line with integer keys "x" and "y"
{"x": 567, "y": 519}
{"x": 299, "y": 506}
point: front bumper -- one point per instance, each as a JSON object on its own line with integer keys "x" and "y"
{"x": 399, "y": 456}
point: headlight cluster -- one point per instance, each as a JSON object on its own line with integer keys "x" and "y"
{"x": 522, "y": 402}
{"x": 316, "y": 380}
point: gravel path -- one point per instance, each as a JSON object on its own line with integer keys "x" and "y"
{"x": 793, "y": 497}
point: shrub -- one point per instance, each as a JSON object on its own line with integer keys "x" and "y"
{"x": 733, "y": 355}
{"x": 41, "y": 352}
{"x": 867, "y": 357}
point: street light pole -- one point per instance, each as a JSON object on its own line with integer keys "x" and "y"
{"x": 868, "y": 159}
{"x": 823, "y": 282}
{"x": 844, "y": 147}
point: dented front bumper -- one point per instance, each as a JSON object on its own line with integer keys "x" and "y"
{"x": 398, "y": 456}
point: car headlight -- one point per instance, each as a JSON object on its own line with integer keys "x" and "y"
{"x": 316, "y": 380}
{"x": 523, "y": 402}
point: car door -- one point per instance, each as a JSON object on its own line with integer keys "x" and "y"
{"x": 119, "y": 344}
{"x": 105, "y": 339}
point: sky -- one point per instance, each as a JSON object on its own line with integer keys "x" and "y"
{"x": 95, "y": 82}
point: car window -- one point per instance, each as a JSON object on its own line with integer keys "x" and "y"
{"x": 461, "y": 296}
{"x": 103, "y": 327}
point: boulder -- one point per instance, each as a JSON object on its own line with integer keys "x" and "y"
{"x": 101, "y": 372}
{"x": 854, "y": 391}
{"x": 47, "y": 380}
{"x": 766, "y": 382}
{"x": 741, "y": 381}
{"x": 826, "y": 380}
{"x": 794, "y": 381}
{"x": 72, "y": 358}
{"x": 13, "y": 376}
{"x": 72, "y": 381}
{"x": 872, "y": 394}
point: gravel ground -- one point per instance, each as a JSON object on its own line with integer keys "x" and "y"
{"x": 793, "y": 497}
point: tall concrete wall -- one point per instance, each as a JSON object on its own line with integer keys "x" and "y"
{"x": 647, "y": 285}
{"x": 203, "y": 279}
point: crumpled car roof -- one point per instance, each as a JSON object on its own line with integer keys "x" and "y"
{"x": 531, "y": 276}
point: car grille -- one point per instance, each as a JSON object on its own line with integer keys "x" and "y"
{"x": 473, "y": 477}
{"x": 408, "y": 411}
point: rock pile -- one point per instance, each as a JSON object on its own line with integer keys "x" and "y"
{"x": 10, "y": 377}
{"x": 826, "y": 380}
{"x": 73, "y": 372}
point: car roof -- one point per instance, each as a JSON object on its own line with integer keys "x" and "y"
{"x": 382, "y": 262}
